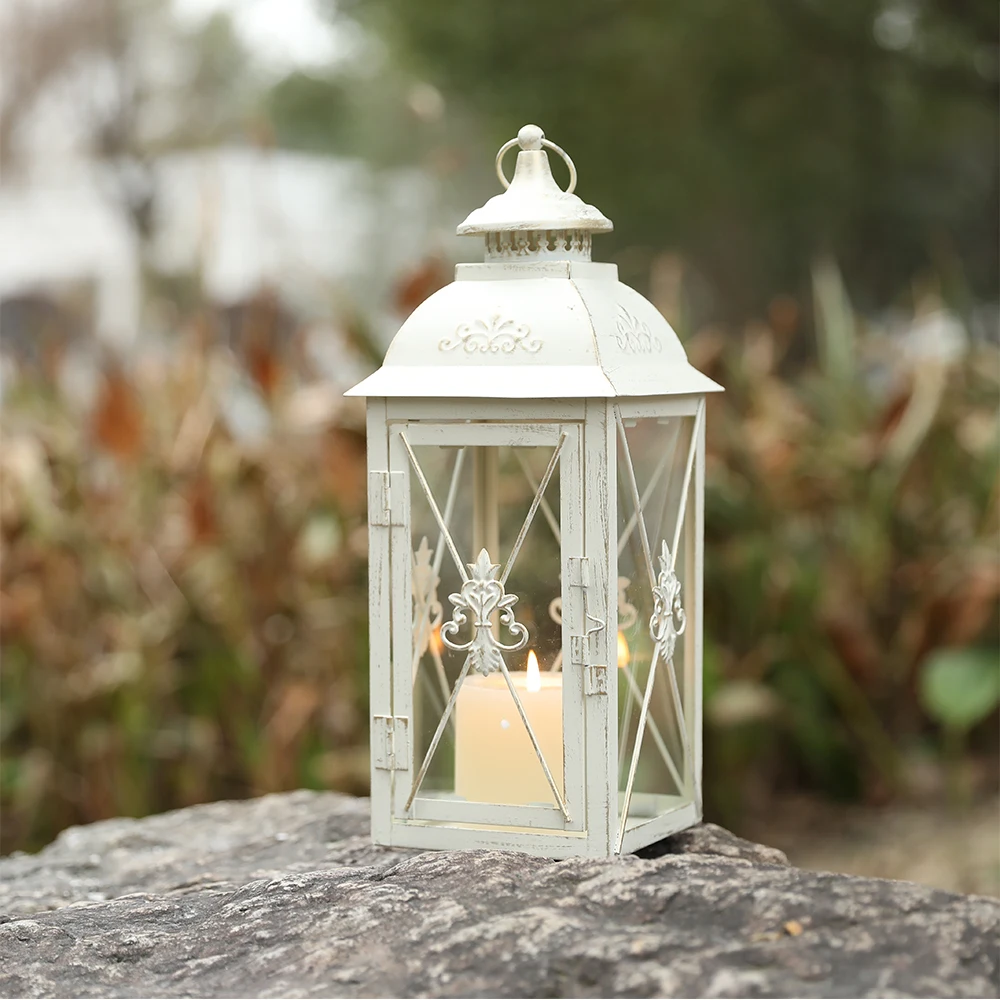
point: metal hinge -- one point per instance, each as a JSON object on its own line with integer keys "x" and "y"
{"x": 595, "y": 679}
{"x": 386, "y": 495}
{"x": 579, "y": 650}
{"x": 578, "y": 571}
{"x": 583, "y": 649}
{"x": 391, "y": 742}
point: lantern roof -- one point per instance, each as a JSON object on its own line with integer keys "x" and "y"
{"x": 538, "y": 318}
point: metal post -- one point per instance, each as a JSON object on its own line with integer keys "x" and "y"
{"x": 486, "y": 514}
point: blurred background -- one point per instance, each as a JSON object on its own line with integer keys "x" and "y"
{"x": 213, "y": 216}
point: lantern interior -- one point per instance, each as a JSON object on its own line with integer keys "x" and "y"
{"x": 488, "y": 732}
{"x": 656, "y": 660}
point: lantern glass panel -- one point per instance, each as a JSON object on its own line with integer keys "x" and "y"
{"x": 653, "y": 564}
{"x": 505, "y": 499}
{"x": 434, "y": 576}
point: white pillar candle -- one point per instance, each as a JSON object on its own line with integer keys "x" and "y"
{"x": 494, "y": 758}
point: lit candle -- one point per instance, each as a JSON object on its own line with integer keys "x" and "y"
{"x": 494, "y": 758}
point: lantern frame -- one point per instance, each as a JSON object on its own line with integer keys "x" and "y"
{"x": 591, "y": 694}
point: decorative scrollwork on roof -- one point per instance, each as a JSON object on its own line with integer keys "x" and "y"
{"x": 495, "y": 336}
{"x": 634, "y": 336}
{"x": 482, "y": 595}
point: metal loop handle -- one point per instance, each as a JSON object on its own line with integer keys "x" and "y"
{"x": 510, "y": 144}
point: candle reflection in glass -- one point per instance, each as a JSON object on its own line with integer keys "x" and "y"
{"x": 624, "y": 654}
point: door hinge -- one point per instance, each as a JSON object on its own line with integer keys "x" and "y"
{"x": 578, "y": 571}
{"x": 584, "y": 650}
{"x": 386, "y": 496}
{"x": 583, "y": 653}
{"x": 595, "y": 679}
{"x": 391, "y": 742}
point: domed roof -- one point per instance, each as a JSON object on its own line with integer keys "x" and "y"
{"x": 538, "y": 319}
{"x": 551, "y": 329}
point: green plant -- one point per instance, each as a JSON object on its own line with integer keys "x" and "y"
{"x": 851, "y": 533}
{"x": 959, "y": 688}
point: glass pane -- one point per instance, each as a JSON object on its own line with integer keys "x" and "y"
{"x": 535, "y": 573}
{"x": 436, "y": 666}
{"x": 658, "y": 449}
{"x": 484, "y": 752}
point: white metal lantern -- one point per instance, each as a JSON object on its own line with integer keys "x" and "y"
{"x": 536, "y": 454}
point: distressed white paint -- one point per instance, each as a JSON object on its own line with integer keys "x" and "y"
{"x": 563, "y": 333}
{"x": 538, "y": 347}
{"x": 532, "y": 200}
{"x": 379, "y": 590}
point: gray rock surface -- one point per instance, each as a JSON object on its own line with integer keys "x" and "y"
{"x": 285, "y": 896}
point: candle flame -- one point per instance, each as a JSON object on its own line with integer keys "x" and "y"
{"x": 623, "y": 651}
{"x": 534, "y": 677}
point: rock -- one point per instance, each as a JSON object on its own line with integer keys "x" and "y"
{"x": 284, "y": 896}
{"x": 219, "y": 845}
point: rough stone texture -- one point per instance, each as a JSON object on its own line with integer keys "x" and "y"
{"x": 223, "y": 845}
{"x": 284, "y": 896}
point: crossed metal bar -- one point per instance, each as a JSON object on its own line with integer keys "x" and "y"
{"x": 463, "y": 572}
{"x": 422, "y": 628}
{"x": 634, "y": 692}
{"x": 668, "y": 454}
{"x": 546, "y": 509}
{"x": 636, "y": 521}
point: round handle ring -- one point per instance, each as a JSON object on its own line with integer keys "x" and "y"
{"x": 511, "y": 143}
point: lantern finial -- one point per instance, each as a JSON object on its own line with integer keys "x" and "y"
{"x": 534, "y": 217}
{"x": 530, "y": 137}
{"x": 537, "y": 318}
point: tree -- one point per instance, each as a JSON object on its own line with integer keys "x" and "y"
{"x": 749, "y": 137}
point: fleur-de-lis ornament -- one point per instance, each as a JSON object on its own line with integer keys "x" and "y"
{"x": 668, "y": 619}
{"x": 482, "y": 595}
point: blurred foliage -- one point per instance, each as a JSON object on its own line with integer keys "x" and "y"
{"x": 184, "y": 604}
{"x": 753, "y": 136}
{"x": 960, "y": 687}
{"x": 851, "y": 520}
{"x": 182, "y": 588}
{"x": 310, "y": 113}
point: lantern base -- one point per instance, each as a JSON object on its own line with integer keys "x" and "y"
{"x": 432, "y": 835}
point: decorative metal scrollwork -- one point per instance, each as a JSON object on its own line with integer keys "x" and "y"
{"x": 668, "y": 619}
{"x": 634, "y": 336}
{"x": 555, "y": 610}
{"x": 482, "y": 595}
{"x": 495, "y": 336}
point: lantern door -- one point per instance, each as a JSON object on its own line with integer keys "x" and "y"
{"x": 483, "y": 561}
{"x": 660, "y": 460}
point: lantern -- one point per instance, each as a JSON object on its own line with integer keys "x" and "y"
{"x": 536, "y": 460}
